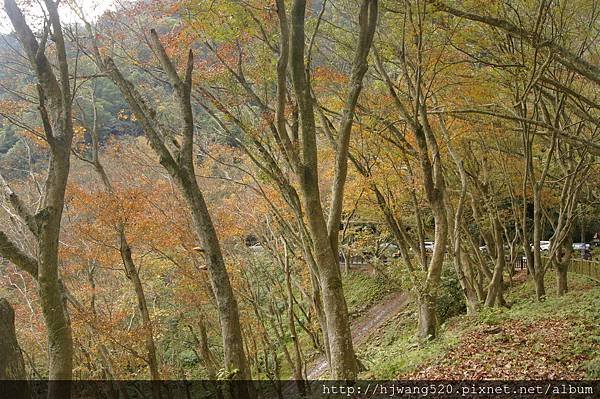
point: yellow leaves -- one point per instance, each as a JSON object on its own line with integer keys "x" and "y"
{"x": 123, "y": 115}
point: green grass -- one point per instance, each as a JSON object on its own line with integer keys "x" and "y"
{"x": 397, "y": 351}
{"x": 364, "y": 289}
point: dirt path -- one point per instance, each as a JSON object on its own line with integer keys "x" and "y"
{"x": 364, "y": 326}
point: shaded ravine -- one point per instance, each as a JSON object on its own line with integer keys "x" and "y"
{"x": 364, "y": 326}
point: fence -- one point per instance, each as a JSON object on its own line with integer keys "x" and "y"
{"x": 586, "y": 267}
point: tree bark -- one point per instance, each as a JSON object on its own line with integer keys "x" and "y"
{"x": 147, "y": 330}
{"x": 538, "y": 266}
{"x": 55, "y": 107}
{"x": 12, "y": 366}
{"x": 561, "y": 278}
{"x": 298, "y": 375}
{"x": 540, "y": 287}
{"x": 427, "y": 327}
{"x": 343, "y": 364}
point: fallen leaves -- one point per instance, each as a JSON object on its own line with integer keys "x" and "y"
{"x": 515, "y": 349}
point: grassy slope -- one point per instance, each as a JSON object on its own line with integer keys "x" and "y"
{"x": 559, "y": 338}
{"x": 363, "y": 289}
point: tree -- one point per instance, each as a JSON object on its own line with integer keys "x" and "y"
{"x": 287, "y": 152}
{"x": 179, "y": 163}
{"x": 55, "y": 108}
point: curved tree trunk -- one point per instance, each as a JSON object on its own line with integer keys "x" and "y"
{"x": 496, "y": 287}
{"x": 324, "y": 234}
{"x": 131, "y": 270}
{"x": 147, "y": 330}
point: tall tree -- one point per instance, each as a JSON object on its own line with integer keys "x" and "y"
{"x": 288, "y": 154}
{"x": 178, "y": 159}
{"x": 55, "y": 109}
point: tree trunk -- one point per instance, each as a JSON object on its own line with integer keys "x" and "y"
{"x": 561, "y": 278}
{"x": 52, "y": 304}
{"x": 131, "y": 270}
{"x": 235, "y": 358}
{"x": 427, "y": 317}
{"x": 496, "y": 286}
{"x": 55, "y": 109}
{"x": 540, "y": 288}
{"x": 298, "y": 375}
{"x": 317, "y": 299}
{"x": 325, "y": 235}
{"x": 428, "y": 298}
{"x": 181, "y": 168}
{"x": 205, "y": 352}
{"x": 470, "y": 288}
{"x": 538, "y": 266}
{"x": 147, "y": 330}
{"x": 12, "y": 366}
{"x": 343, "y": 365}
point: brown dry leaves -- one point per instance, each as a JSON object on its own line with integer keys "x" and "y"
{"x": 514, "y": 350}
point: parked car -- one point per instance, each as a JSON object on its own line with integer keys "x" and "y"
{"x": 429, "y": 246}
{"x": 581, "y": 246}
{"x": 388, "y": 249}
{"x": 388, "y": 246}
{"x": 256, "y": 248}
{"x": 544, "y": 246}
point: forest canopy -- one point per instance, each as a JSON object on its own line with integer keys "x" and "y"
{"x": 230, "y": 190}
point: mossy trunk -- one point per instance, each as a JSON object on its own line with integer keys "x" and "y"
{"x": 540, "y": 288}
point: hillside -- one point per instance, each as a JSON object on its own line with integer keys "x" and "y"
{"x": 555, "y": 339}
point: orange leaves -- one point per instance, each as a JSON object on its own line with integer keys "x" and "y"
{"x": 12, "y": 107}
{"x": 329, "y": 75}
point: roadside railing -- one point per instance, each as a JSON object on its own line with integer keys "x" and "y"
{"x": 588, "y": 268}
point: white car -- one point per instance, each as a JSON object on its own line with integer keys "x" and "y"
{"x": 256, "y": 248}
{"x": 388, "y": 246}
{"x": 581, "y": 246}
{"x": 544, "y": 245}
{"x": 388, "y": 249}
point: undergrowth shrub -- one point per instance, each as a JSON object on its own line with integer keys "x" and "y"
{"x": 450, "y": 300}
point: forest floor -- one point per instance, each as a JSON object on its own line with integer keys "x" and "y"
{"x": 555, "y": 339}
